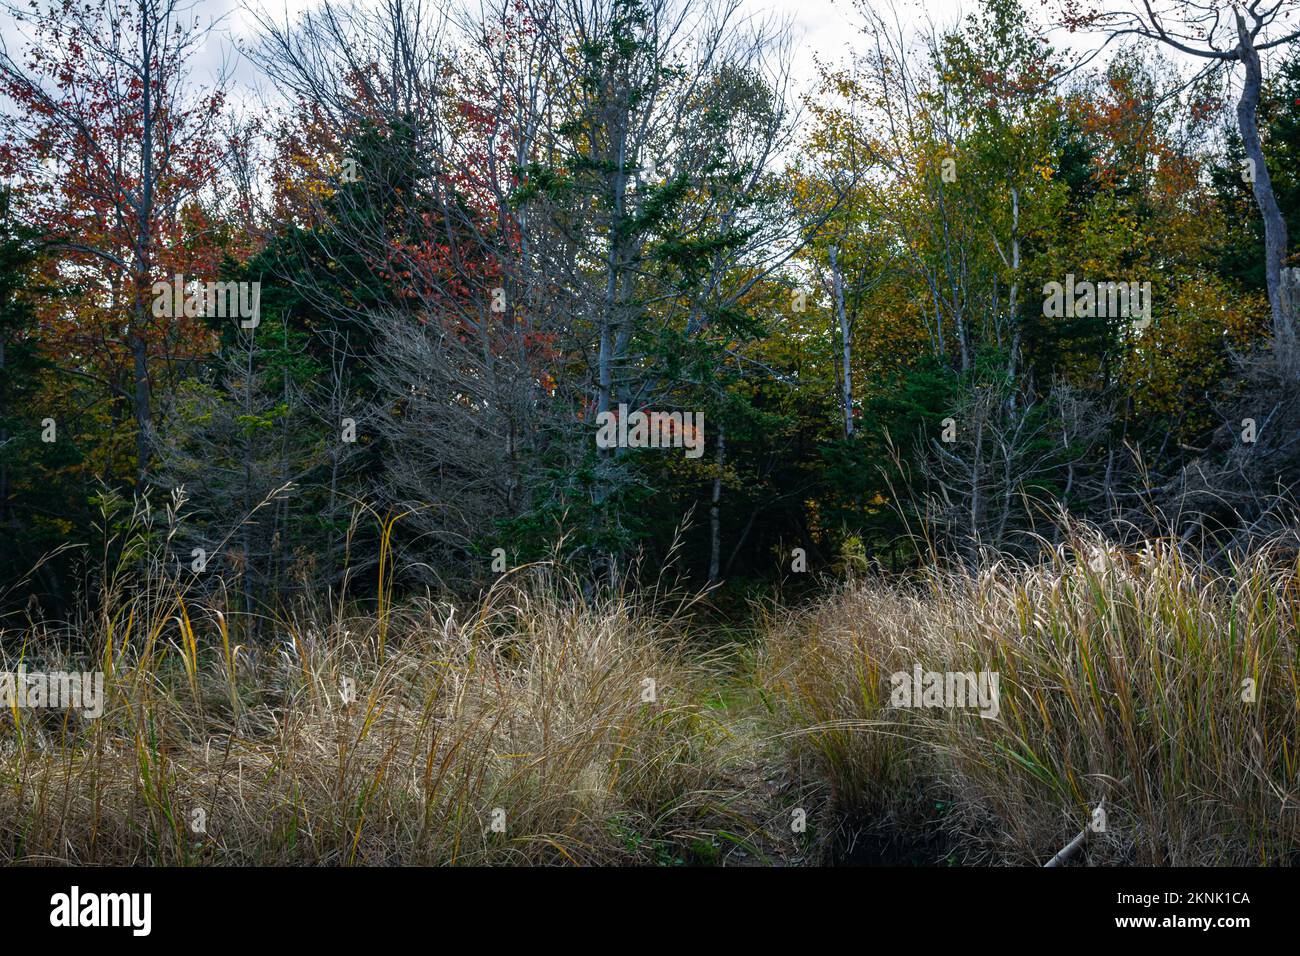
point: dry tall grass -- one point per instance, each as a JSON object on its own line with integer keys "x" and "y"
{"x": 393, "y": 738}
{"x": 1121, "y": 677}
{"x": 539, "y": 726}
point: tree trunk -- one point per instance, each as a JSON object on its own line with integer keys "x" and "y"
{"x": 837, "y": 279}
{"x": 4, "y": 440}
{"x": 143, "y": 416}
{"x": 1013, "y": 305}
{"x": 139, "y": 336}
{"x": 1275, "y": 238}
{"x": 715, "y": 519}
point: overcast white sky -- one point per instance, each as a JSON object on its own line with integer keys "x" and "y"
{"x": 825, "y": 28}
{"x": 822, "y": 29}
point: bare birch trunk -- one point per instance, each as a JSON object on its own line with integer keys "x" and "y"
{"x": 837, "y": 280}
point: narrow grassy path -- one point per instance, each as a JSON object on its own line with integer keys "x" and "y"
{"x": 754, "y": 773}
